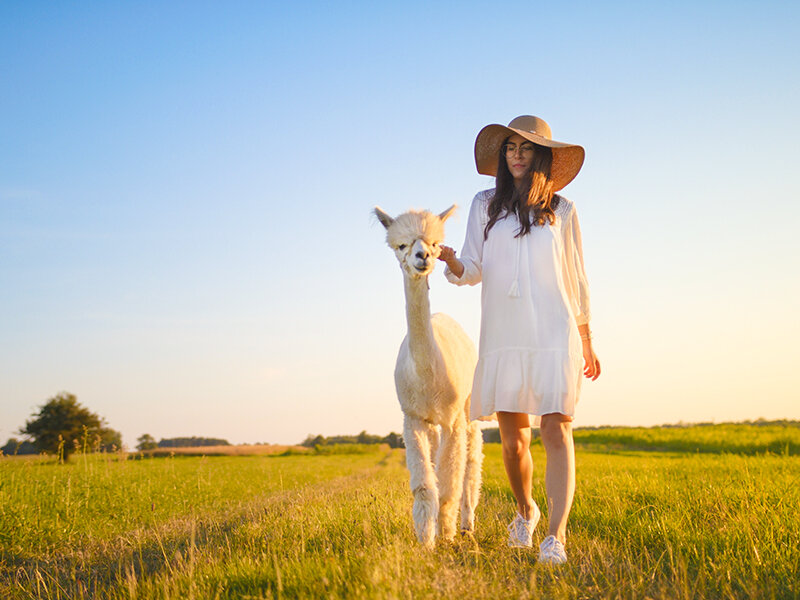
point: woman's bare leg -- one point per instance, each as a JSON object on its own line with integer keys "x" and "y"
{"x": 556, "y": 430}
{"x": 515, "y": 434}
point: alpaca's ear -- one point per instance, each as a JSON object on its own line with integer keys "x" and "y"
{"x": 448, "y": 213}
{"x": 383, "y": 217}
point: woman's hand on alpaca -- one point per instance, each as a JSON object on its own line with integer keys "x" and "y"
{"x": 591, "y": 364}
{"x": 448, "y": 255}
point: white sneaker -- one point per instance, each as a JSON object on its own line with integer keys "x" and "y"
{"x": 551, "y": 551}
{"x": 520, "y": 530}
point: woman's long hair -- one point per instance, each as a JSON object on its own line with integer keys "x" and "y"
{"x": 534, "y": 203}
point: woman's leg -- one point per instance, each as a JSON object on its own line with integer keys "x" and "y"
{"x": 515, "y": 434}
{"x": 556, "y": 430}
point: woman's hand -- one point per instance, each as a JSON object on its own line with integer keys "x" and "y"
{"x": 447, "y": 254}
{"x": 591, "y": 364}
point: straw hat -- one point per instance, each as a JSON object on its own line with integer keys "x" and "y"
{"x": 567, "y": 158}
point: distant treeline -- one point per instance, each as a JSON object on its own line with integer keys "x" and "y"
{"x": 191, "y": 442}
{"x": 395, "y": 440}
{"x": 743, "y": 437}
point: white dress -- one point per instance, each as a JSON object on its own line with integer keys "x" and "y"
{"x": 533, "y": 298}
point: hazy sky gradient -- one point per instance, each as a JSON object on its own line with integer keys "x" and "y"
{"x": 185, "y": 194}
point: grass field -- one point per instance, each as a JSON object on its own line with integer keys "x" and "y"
{"x": 645, "y": 524}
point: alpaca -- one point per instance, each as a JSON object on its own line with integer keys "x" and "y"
{"x": 433, "y": 377}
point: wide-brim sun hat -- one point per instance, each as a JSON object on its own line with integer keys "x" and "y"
{"x": 567, "y": 158}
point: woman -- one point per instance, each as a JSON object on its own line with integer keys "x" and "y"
{"x": 524, "y": 244}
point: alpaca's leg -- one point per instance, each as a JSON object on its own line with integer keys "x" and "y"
{"x": 450, "y": 472}
{"x": 416, "y": 435}
{"x": 472, "y": 476}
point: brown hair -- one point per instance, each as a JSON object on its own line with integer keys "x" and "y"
{"x": 534, "y": 203}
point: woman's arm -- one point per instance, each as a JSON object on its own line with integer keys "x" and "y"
{"x": 591, "y": 364}
{"x": 579, "y": 291}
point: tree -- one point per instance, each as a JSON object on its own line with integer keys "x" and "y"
{"x": 146, "y": 442}
{"x": 395, "y": 440}
{"x": 312, "y": 441}
{"x": 63, "y": 426}
{"x": 14, "y": 446}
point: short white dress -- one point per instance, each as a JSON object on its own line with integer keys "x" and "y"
{"x": 534, "y": 296}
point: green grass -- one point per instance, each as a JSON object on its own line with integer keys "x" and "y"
{"x": 644, "y": 524}
{"x": 733, "y": 438}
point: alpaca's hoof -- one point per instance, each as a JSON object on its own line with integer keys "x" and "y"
{"x": 467, "y": 521}
{"x": 448, "y": 517}
{"x": 467, "y": 539}
{"x": 425, "y": 504}
{"x": 427, "y": 535}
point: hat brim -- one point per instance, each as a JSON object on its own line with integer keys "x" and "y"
{"x": 567, "y": 158}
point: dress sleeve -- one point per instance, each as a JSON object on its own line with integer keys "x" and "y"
{"x": 574, "y": 271}
{"x": 472, "y": 252}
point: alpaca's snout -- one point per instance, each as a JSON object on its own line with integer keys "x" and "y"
{"x": 420, "y": 256}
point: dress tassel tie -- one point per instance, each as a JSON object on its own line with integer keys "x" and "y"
{"x": 513, "y": 291}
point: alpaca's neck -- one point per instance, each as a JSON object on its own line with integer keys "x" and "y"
{"x": 421, "y": 344}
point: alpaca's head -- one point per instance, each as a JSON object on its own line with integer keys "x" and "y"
{"x": 415, "y": 237}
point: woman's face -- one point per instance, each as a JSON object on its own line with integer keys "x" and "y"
{"x": 519, "y": 155}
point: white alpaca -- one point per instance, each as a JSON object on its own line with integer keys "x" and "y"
{"x": 433, "y": 376}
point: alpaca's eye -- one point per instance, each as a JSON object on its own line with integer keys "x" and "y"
{"x": 401, "y": 247}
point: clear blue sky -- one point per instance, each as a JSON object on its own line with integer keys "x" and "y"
{"x": 185, "y": 195}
